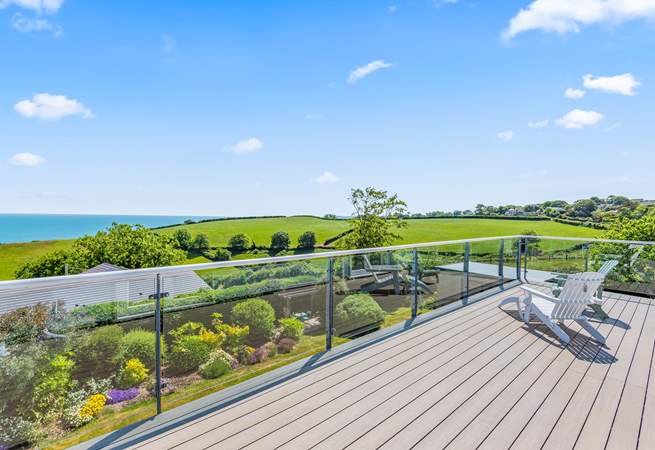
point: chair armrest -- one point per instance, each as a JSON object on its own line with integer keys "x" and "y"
{"x": 539, "y": 294}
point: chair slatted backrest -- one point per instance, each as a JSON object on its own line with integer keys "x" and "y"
{"x": 369, "y": 267}
{"x": 576, "y": 294}
{"x": 608, "y": 266}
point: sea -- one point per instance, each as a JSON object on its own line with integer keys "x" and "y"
{"x": 44, "y": 227}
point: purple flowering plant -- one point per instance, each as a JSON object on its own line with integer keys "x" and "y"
{"x": 121, "y": 395}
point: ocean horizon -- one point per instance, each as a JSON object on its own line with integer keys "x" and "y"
{"x": 15, "y": 228}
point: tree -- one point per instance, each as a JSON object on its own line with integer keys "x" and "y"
{"x": 583, "y": 208}
{"x": 239, "y": 242}
{"x": 200, "y": 243}
{"x": 222, "y": 254}
{"x": 330, "y": 216}
{"x": 280, "y": 241}
{"x": 479, "y": 209}
{"x": 307, "y": 240}
{"x": 123, "y": 245}
{"x": 183, "y": 239}
{"x": 377, "y": 215}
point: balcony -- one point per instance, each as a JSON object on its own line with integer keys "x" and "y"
{"x": 400, "y": 347}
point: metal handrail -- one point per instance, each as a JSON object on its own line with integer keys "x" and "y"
{"x": 85, "y": 278}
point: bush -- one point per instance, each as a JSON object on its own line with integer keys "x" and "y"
{"x": 240, "y": 242}
{"x": 290, "y": 328}
{"x": 260, "y": 354}
{"x": 222, "y": 254}
{"x": 258, "y": 315}
{"x": 182, "y": 239}
{"x": 280, "y": 241}
{"x": 95, "y": 351}
{"x": 234, "y": 336}
{"x": 285, "y": 345}
{"x": 218, "y": 363}
{"x": 92, "y": 407}
{"x": 139, "y": 344}
{"x": 24, "y": 325}
{"x": 132, "y": 374}
{"x": 200, "y": 243}
{"x": 271, "y": 348}
{"x": 244, "y": 354}
{"x": 192, "y": 344}
{"x": 357, "y": 311}
{"x": 50, "y": 394}
{"x": 307, "y": 240}
{"x": 15, "y": 430}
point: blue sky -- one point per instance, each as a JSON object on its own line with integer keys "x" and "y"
{"x": 280, "y": 107}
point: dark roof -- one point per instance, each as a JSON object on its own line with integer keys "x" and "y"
{"x": 104, "y": 267}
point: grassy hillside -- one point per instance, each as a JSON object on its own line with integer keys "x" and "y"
{"x": 260, "y": 230}
{"x": 13, "y": 256}
{"x": 419, "y": 230}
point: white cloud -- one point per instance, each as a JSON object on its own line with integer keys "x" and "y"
{"x": 249, "y": 145}
{"x": 52, "y": 107}
{"x": 368, "y": 69}
{"x": 27, "y": 25}
{"x": 539, "y": 123}
{"x": 38, "y": 6}
{"x": 27, "y": 159}
{"x": 506, "y": 135}
{"x": 578, "y": 118}
{"x": 574, "y": 93}
{"x": 326, "y": 178}
{"x": 624, "y": 84}
{"x": 565, "y": 16}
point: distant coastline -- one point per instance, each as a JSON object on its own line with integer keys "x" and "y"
{"x": 16, "y": 228}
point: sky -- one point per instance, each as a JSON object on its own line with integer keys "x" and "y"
{"x": 281, "y": 107}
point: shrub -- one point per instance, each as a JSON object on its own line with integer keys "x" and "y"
{"x": 240, "y": 242}
{"x": 182, "y": 239}
{"x": 200, "y": 243}
{"x": 139, "y": 344}
{"x": 222, "y": 254}
{"x": 16, "y": 430}
{"x": 121, "y": 395}
{"x": 218, "y": 363}
{"x": 307, "y": 240}
{"x": 132, "y": 374}
{"x": 258, "y": 315}
{"x": 24, "y": 324}
{"x": 95, "y": 351}
{"x": 285, "y": 345}
{"x": 260, "y": 354}
{"x": 271, "y": 348}
{"x": 244, "y": 354}
{"x": 92, "y": 407}
{"x": 280, "y": 241}
{"x": 290, "y": 328}
{"x": 357, "y": 311}
{"x": 192, "y": 344}
{"x": 56, "y": 382}
{"x": 234, "y": 336}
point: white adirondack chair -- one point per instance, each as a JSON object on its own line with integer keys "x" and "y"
{"x": 577, "y": 293}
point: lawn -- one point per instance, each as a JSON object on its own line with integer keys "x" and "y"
{"x": 12, "y": 256}
{"x": 261, "y": 229}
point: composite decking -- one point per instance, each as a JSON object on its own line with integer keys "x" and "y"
{"x": 474, "y": 378}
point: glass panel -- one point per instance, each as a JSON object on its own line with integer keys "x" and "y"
{"x": 483, "y": 266}
{"x": 549, "y": 260}
{"x": 630, "y": 268}
{"x": 371, "y": 291}
{"x": 64, "y": 347}
{"x": 224, "y": 326}
{"x": 441, "y": 272}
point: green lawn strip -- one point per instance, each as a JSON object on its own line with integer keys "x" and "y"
{"x": 12, "y": 256}
{"x": 111, "y": 419}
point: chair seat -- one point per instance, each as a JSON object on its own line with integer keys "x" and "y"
{"x": 544, "y": 306}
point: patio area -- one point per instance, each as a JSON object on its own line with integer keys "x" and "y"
{"x": 474, "y": 378}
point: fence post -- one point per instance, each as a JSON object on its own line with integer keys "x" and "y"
{"x": 158, "y": 331}
{"x": 467, "y": 256}
{"x": 415, "y": 282}
{"x": 501, "y": 264}
{"x": 586, "y": 257}
{"x": 519, "y": 249}
{"x": 329, "y": 306}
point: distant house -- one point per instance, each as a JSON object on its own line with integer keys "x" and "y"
{"x": 88, "y": 292}
{"x": 514, "y": 212}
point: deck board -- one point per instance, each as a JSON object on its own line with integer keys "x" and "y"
{"x": 475, "y": 378}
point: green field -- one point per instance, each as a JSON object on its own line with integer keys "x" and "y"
{"x": 261, "y": 229}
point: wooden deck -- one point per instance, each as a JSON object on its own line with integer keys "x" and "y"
{"x": 475, "y": 378}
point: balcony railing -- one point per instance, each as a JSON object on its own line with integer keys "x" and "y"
{"x": 81, "y": 355}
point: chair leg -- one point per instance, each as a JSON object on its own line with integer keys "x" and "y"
{"x": 553, "y": 327}
{"x": 589, "y": 328}
{"x": 598, "y": 311}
